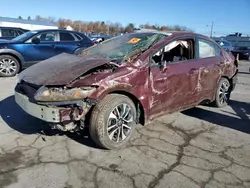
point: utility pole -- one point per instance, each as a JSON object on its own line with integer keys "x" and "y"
{"x": 211, "y": 30}
{"x": 212, "y": 27}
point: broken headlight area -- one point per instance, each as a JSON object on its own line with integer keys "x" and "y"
{"x": 45, "y": 94}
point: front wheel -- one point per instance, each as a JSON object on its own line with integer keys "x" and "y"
{"x": 9, "y": 66}
{"x": 222, "y": 93}
{"x": 113, "y": 121}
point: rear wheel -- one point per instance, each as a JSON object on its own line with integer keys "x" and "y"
{"x": 78, "y": 51}
{"x": 222, "y": 93}
{"x": 9, "y": 66}
{"x": 113, "y": 121}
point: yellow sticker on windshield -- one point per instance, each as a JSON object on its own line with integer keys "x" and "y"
{"x": 134, "y": 40}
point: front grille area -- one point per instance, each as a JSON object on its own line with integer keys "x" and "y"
{"x": 27, "y": 89}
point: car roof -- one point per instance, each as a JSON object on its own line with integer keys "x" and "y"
{"x": 64, "y": 30}
{"x": 3, "y": 27}
{"x": 167, "y": 33}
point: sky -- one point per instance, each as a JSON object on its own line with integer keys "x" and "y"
{"x": 228, "y": 16}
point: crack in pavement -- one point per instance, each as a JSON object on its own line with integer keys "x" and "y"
{"x": 114, "y": 168}
{"x": 188, "y": 138}
{"x": 194, "y": 152}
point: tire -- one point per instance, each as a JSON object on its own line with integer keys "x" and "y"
{"x": 223, "y": 89}
{"x": 99, "y": 122}
{"x": 78, "y": 51}
{"x": 9, "y": 66}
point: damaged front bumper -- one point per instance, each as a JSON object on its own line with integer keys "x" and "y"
{"x": 48, "y": 114}
{"x": 56, "y": 115}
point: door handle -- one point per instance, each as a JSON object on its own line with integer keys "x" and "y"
{"x": 192, "y": 71}
{"x": 53, "y": 46}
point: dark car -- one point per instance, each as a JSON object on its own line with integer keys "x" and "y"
{"x": 226, "y": 45}
{"x": 243, "y": 52}
{"x": 127, "y": 80}
{"x": 8, "y": 33}
{"x": 35, "y": 46}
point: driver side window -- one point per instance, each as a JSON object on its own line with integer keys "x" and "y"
{"x": 174, "y": 52}
{"x": 47, "y": 37}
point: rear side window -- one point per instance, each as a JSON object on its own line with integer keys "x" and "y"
{"x": 65, "y": 36}
{"x": 206, "y": 49}
{"x": 78, "y": 37}
{"x": 20, "y": 32}
{"x": 8, "y": 33}
{"x": 85, "y": 39}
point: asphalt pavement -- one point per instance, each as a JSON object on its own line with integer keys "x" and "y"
{"x": 201, "y": 147}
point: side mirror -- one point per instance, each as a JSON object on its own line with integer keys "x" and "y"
{"x": 35, "y": 40}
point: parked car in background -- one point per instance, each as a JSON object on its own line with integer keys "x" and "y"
{"x": 34, "y": 46}
{"x": 226, "y": 45}
{"x": 97, "y": 40}
{"x": 100, "y": 38}
{"x": 8, "y": 33}
{"x": 127, "y": 80}
{"x": 243, "y": 52}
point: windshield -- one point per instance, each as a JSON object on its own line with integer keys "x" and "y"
{"x": 25, "y": 36}
{"x": 120, "y": 46}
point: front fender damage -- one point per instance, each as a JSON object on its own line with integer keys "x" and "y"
{"x": 75, "y": 99}
{"x": 71, "y": 113}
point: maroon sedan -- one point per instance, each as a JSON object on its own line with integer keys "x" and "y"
{"x": 127, "y": 80}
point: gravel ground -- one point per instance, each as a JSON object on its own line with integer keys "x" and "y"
{"x": 200, "y": 147}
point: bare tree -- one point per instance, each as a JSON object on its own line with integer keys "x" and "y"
{"x": 38, "y": 17}
{"x": 106, "y": 27}
{"x": 130, "y": 27}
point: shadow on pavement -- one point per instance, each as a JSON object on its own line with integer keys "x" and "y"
{"x": 244, "y": 72}
{"x": 240, "y": 123}
{"x": 20, "y": 121}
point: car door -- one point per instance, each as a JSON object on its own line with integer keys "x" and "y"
{"x": 175, "y": 85}
{"x": 68, "y": 42}
{"x": 211, "y": 63}
{"x": 34, "y": 52}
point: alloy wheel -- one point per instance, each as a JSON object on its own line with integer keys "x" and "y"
{"x": 224, "y": 92}
{"x": 7, "y": 66}
{"x": 120, "y": 122}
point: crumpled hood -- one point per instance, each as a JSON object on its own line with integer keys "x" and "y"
{"x": 61, "y": 69}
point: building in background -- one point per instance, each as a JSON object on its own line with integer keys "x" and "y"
{"x": 69, "y": 28}
{"x": 236, "y": 39}
{"x": 26, "y": 24}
